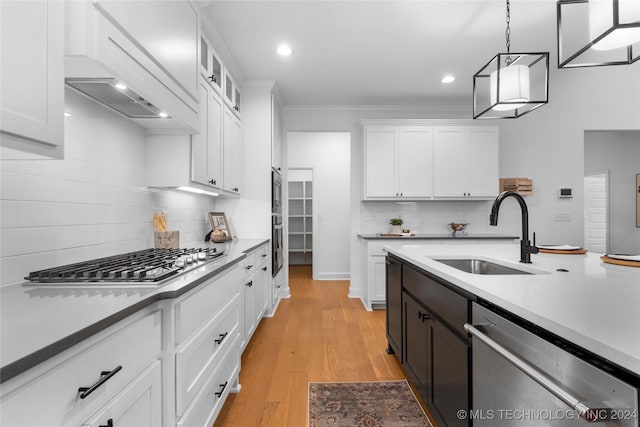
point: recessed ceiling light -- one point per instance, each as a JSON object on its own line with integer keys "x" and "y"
{"x": 163, "y": 114}
{"x": 284, "y": 50}
{"x": 448, "y": 78}
{"x": 121, "y": 86}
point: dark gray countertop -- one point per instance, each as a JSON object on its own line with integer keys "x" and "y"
{"x": 445, "y": 236}
{"x": 38, "y": 322}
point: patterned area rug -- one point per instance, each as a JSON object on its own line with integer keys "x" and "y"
{"x": 365, "y": 404}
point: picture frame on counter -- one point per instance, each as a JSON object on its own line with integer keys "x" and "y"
{"x": 218, "y": 221}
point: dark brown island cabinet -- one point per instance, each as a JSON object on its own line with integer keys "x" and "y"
{"x": 425, "y": 331}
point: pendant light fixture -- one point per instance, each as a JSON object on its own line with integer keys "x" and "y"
{"x": 511, "y": 84}
{"x": 593, "y": 33}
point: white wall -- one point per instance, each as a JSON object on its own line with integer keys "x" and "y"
{"x": 548, "y": 144}
{"x": 618, "y": 153}
{"x": 328, "y": 155}
{"x": 93, "y": 203}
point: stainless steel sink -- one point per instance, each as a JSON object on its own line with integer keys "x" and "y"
{"x": 480, "y": 266}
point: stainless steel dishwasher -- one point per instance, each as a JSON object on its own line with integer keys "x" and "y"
{"x": 521, "y": 379}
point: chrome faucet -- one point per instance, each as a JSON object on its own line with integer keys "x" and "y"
{"x": 526, "y": 249}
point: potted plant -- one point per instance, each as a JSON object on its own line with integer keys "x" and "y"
{"x": 395, "y": 225}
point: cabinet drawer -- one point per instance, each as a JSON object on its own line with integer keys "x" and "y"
{"x": 139, "y": 404}
{"x": 56, "y": 395}
{"x": 205, "y": 302}
{"x": 207, "y": 404}
{"x": 262, "y": 254}
{"x": 199, "y": 357}
{"x": 447, "y": 304}
{"x": 250, "y": 264}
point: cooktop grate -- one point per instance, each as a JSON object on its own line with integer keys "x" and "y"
{"x": 148, "y": 265}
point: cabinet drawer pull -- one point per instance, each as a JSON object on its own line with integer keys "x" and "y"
{"x": 264, "y": 268}
{"x": 249, "y": 267}
{"x": 223, "y": 386}
{"x": 109, "y": 423}
{"x": 221, "y": 338}
{"x": 104, "y": 377}
{"x": 250, "y": 284}
{"x": 263, "y": 255}
{"x": 423, "y": 316}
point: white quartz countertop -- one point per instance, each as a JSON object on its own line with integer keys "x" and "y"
{"x": 37, "y": 322}
{"x": 593, "y": 305}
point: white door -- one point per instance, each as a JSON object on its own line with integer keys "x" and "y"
{"x": 595, "y": 212}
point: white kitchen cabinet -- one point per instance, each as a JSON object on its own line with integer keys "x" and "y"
{"x": 210, "y": 64}
{"x": 232, "y": 95}
{"x": 398, "y": 162}
{"x": 276, "y": 135}
{"x": 209, "y": 161}
{"x": 255, "y": 284}
{"x": 32, "y": 79}
{"x": 138, "y": 405}
{"x": 232, "y": 146}
{"x": 132, "y": 344}
{"x": 206, "y": 146}
{"x": 466, "y": 162}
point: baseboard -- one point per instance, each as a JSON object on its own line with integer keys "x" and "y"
{"x": 333, "y": 276}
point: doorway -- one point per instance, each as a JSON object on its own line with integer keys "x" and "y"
{"x": 596, "y": 207}
{"x": 327, "y": 155}
{"x": 300, "y": 218}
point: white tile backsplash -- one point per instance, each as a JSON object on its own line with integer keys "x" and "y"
{"x": 432, "y": 217}
{"x": 94, "y": 203}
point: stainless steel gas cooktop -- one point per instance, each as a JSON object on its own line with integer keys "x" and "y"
{"x": 148, "y": 266}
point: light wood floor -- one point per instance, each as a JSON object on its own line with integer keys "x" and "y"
{"x": 319, "y": 334}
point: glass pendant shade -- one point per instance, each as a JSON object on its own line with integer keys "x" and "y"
{"x": 598, "y": 32}
{"x": 509, "y": 87}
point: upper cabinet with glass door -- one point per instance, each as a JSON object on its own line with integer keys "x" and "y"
{"x": 232, "y": 95}
{"x": 210, "y": 64}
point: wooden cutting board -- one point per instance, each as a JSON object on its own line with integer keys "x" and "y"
{"x": 624, "y": 262}
{"x": 558, "y": 251}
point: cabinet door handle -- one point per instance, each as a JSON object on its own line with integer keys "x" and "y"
{"x": 264, "y": 268}
{"x": 250, "y": 284}
{"x": 236, "y": 189}
{"x": 221, "y": 338}
{"x": 249, "y": 267}
{"x": 390, "y": 262}
{"x": 104, "y": 377}
{"x": 223, "y": 386}
{"x": 423, "y": 316}
{"x": 213, "y": 182}
{"x": 264, "y": 255}
{"x": 213, "y": 78}
{"x": 109, "y": 423}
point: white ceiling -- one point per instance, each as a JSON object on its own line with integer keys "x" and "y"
{"x": 372, "y": 53}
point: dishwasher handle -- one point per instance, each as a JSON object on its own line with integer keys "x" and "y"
{"x": 591, "y": 413}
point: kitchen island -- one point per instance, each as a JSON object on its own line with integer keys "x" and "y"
{"x": 581, "y": 313}
{"x": 592, "y": 305}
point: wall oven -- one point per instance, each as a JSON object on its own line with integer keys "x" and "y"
{"x": 521, "y": 379}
